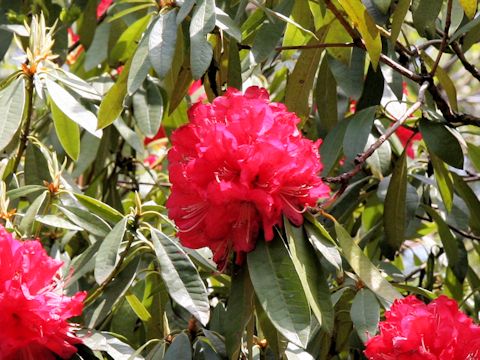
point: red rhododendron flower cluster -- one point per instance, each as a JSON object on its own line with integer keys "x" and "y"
{"x": 34, "y": 311}
{"x": 437, "y": 331}
{"x": 236, "y": 168}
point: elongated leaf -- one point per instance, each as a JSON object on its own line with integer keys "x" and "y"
{"x": 24, "y": 191}
{"x": 279, "y": 290}
{"x": 98, "y": 50}
{"x": 356, "y": 135}
{"x": 311, "y": 275}
{"x": 96, "y": 206}
{"x": 365, "y": 314}
{"x": 56, "y": 221}
{"x": 321, "y": 240}
{"x": 108, "y": 253}
{"x": 270, "y": 33}
{"x": 72, "y": 108}
{"x": 181, "y": 277}
{"x": 140, "y": 62}
{"x": 162, "y": 40}
{"x": 471, "y": 200}
{"x": 398, "y": 18}
{"x": 425, "y": 12}
{"x": 28, "y": 220}
{"x": 67, "y": 131}
{"x": 86, "y": 220}
{"x": 130, "y": 136}
{"x": 148, "y": 109}
{"x": 112, "y": 105}
{"x": 201, "y": 52}
{"x": 448, "y": 239}
{"x": 12, "y": 103}
{"x": 185, "y": 9}
{"x": 362, "y": 266}
{"x": 300, "y": 82}
{"x": 395, "y": 213}
{"x": 326, "y": 96}
{"x": 125, "y": 46}
{"x": 239, "y": 311}
{"x": 180, "y": 349}
{"x": 138, "y": 307}
{"x": 444, "y": 181}
{"x": 442, "y": 143}
{"x": 358, "y": 14}
{"x": 470, "y": 7}
{"x": 225, "y": 23}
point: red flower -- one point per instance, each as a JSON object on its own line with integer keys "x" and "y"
{"x": 103, "y": 7}
{"x": 34, "y": 310}
{"x": 159, "y": 135}
{"x": 406, "y": 138}
{"x": 236, "y": 168}
{"x": 414, "y": 330}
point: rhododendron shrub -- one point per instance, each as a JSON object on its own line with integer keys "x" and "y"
{"x": 415, "y": 330}
{"x": 236, "y": 168}
{"x": 34, "y": 307}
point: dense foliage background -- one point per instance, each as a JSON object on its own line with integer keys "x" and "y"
{"x": 390, "y": 86}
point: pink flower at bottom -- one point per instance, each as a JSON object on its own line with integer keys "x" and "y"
{"x": 413, "y": 330}
{"x": 34, "y": 310}
{"x": 236, "y": 168}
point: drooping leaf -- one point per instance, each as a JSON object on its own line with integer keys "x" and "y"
{"x": 181, "y": 277}
{"x": 201, "y": 52}
{"x": 12, "y": 103}
{"x": 279, "y": 290}
{"x": 57, "y": 222}
{"x": 470, "y": 7}
{"x": 311, "y": 276}
{"x": 365, "y": 314}
{"x": 356, "y": 135}
{"x": 363, "y": 267}
{"x": 105, "y": 211}
{"x": 395, "y": 213}
{"x": 359, "y": 16}
{"x": 148, "y": 109}
{"x": 140, "y": 62}
{"x": 108, "y": 253}
{"x": 424, "y": 13}
{"x": 67, "y": 131}
{"x": 444, "y": 181}
{"x": 180, "y": 349}
{"x": 162, "y": 40}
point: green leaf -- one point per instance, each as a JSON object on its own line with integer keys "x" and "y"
{"x": 148, "y": 109}
{"x": 471, "y": 200}
{"x": 140, "y": 62}
{"x": 130, "y": 136}
{"x": 162, "y": 40}
{"x": 326, "y": 96}
{"x": 180, "y": 276}
{"x": 312, "y": 277}
{"x": 331, "y": 149}
{"x": 125, "y": 46}
{"x": 444, "y": 181}
{"x": 98, "y": 50}
{"x": 300, "y": 81}
{"x": 201, "y": 52}
{"x": 362, "y": 21}
{"x": 103, "y": 210}
{"x": 225, "y": 23}
{"x": 138, "y": 307}
{"x": 112, "y": 105}
{"x": 72, "y": 108}
{"x": 268, "y": 36}
{"x": 424, "y": 13}
{"x": 86, "y": 220}
{"x": 180, "y": 349}
{"x": 473, "y": 151}
{"x": 470, "y": 7}
{"x": 67, "y": 131}
{"x": 24, "y": 191}
{"x": 362, "y": 266}
{"x": 57, "y": 222}
{"x": 28, "y": 220}
{"x": 323, "y": 242}
{"x": 442, "y": 143}
{"x": 294, "y": 35}
{"x": 12, "y": 103}
{"x": 239, "y": 311}
{"x": 185, "y": 9}
{"x": 398, "y": 18}
{"x": 356, "y": 135}
{"x": 448, "y": 240}
{"x": 365, "y": 314}
{"x": 129, "y": 10}
{"x": 108, "y": 253}
{"x": 395, "y": 213}
{"x": 279, "y": 290}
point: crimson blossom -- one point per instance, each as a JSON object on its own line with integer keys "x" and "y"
{"x": 413, "y": 330}
{"x": 34, "y": 310}
{"x": 236, "y": 168}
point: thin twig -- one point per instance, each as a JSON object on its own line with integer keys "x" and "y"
{"x": 454, "y": 229}
{"x": 461, "y": 56}
{"x": 362, "y": 158}
{"x": 315, "y": 46}
{"x": 443, "y": 45}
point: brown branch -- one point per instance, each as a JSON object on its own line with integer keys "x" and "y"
{"x": 443, "y": 45}
{"x": 315, "y": 46}
{"x": 362, "y": 158}
{"x": 461, "y": 56}
{"x": 454, "y": 229}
